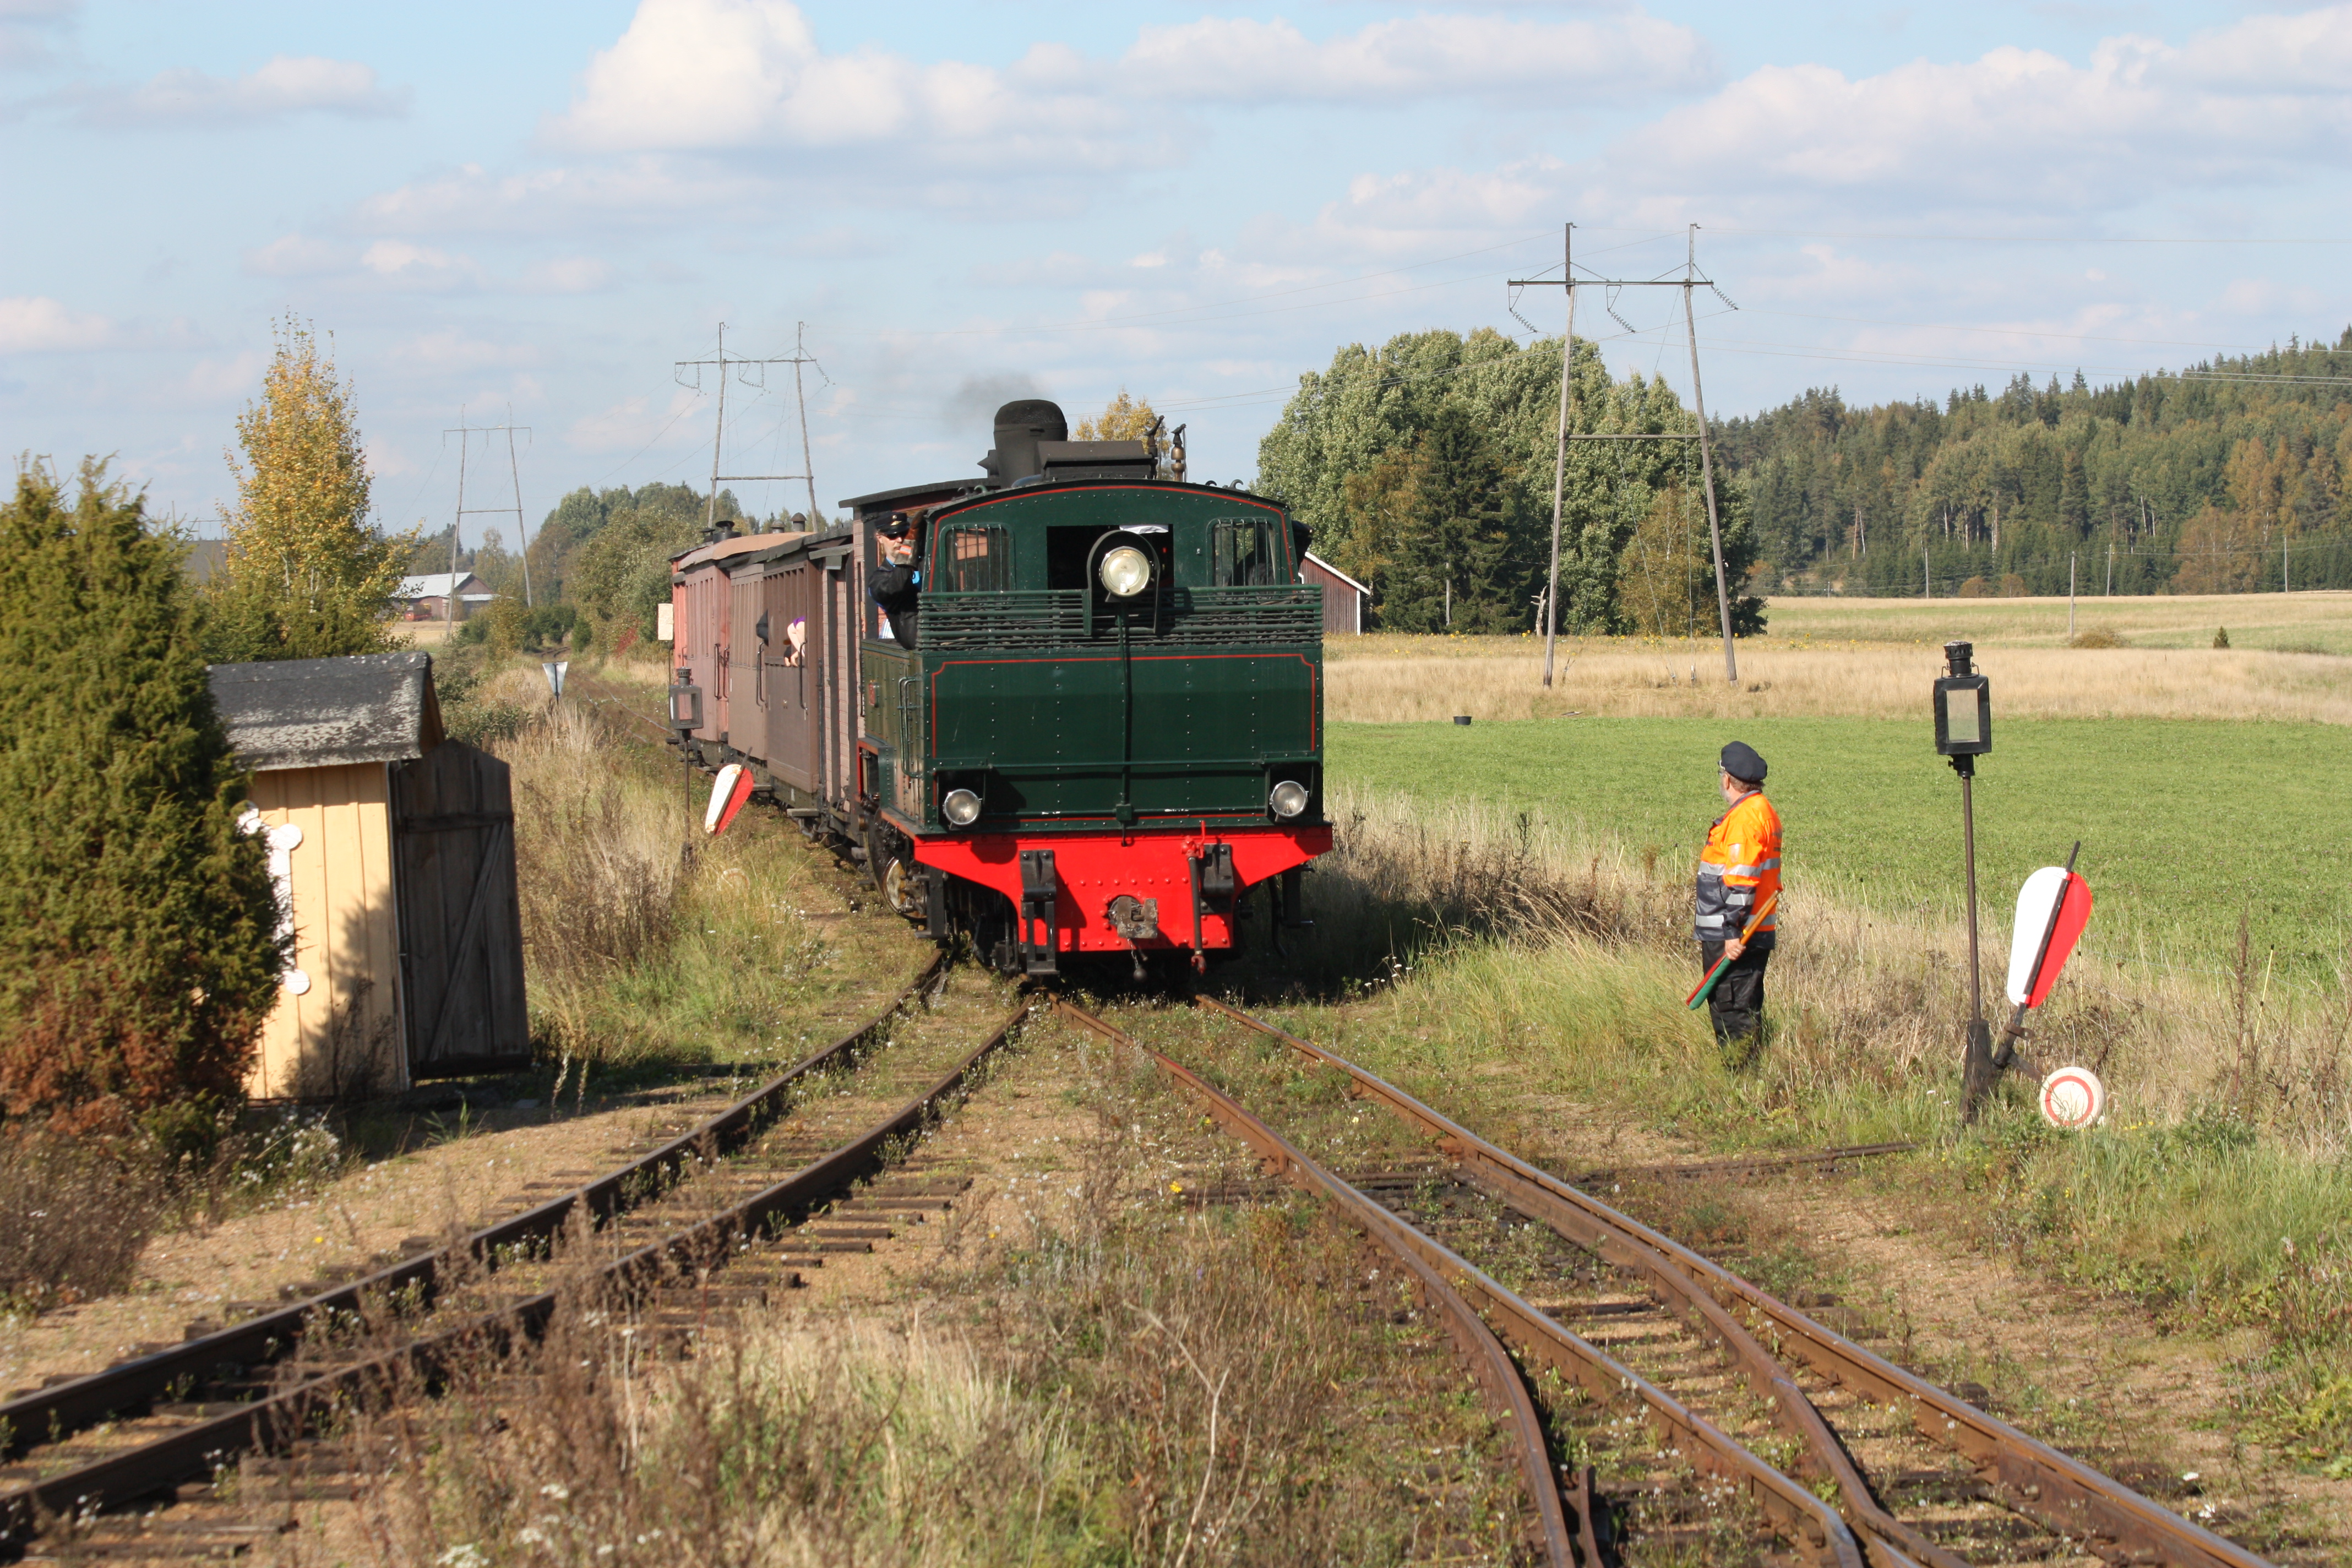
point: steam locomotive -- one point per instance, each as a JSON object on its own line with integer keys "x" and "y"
{"x": 1106, "y": 736}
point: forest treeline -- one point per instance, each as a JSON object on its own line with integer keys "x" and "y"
{"x": 1425, "y": 468}
{"x": 2229, "y": 477}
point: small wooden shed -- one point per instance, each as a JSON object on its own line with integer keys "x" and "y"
{"x": 1344, "y": 598}
{"x": 393, "y": 847}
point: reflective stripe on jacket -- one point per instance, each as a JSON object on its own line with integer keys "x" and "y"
{"x": 1740, "y": 865}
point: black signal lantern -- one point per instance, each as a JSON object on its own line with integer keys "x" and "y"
{"x": 1964, "y": 733}
{"x": 1963, "y": 710}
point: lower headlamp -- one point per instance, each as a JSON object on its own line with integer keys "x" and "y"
{"x": 1289, "y": 798}
{"x": 960, "y": 807}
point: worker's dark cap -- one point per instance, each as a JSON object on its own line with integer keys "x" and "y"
{"x": 897, "y": 526}
{"x": 1740, "y": 761}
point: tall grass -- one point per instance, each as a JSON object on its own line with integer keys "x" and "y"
{"x": 2219, "y": 1188}
{"x": 643, "y": 940}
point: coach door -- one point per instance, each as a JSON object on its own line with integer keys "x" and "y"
{"x": 788, "y": 678}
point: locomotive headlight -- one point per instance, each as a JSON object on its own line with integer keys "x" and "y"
{"x": 1288, "y": 799}
{"x": 960, "y": 807}
{"x": 1125, "y": 572}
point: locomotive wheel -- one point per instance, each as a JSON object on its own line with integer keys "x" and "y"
{"x": 903, "y": 885}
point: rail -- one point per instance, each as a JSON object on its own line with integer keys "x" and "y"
{"x": 272, "y": 1421}
{"x": 2064, "y": 1494}
{"x": 1505, "y": 1391}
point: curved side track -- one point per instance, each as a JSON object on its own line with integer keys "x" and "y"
{"x": 274, "y": 1420}
{"x": 2038, "y": 1481}
{"x": 1487, "y": 1359}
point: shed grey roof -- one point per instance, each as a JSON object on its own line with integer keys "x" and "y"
{"x": 325, "y": 712}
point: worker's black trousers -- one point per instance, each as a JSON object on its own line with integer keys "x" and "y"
{"x": 1737, "y": 1003}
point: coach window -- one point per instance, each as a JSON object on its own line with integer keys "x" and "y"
{"x": 975, "y": 561}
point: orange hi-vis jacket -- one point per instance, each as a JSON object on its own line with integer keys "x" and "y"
{"x": 1740, "y": 866}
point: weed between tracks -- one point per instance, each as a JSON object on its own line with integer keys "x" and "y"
{"x": 1113, "y": 1380}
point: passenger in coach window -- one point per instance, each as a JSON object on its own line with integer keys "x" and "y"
{"x": 898, "y": 582}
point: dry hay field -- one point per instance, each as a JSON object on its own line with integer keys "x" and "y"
{"x": 2289, "y": 659}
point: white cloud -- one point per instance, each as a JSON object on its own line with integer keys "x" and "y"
{"x": 2020, "y": 130}
{"x": 420, "y": 266}
{"x": 36, "y": 324}
{"x": 712, "y": 74}
{"x": 297, "y": 256}
{"x": 1628, "y": 55}
{"x": 707, "y": 74}
{"x": 639, "y": 191}
{"x": 287, "y": 84}
{"x": 630, "y": 423}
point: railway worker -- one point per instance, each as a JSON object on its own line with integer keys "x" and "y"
{"x": 1739, "y": 868}
{"x": 895, "y": 586}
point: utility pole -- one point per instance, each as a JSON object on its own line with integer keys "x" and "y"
{"x": 1926, "y": 575}
{"x": 464, "y": 433}
{"x": 1706, "y": 457}
{"x": 1560, "y": 463}
{"x": 1689, "y": 281}
{"x": 2070, "y": 595}
{"x": 457, "y": 527}
{"x": 719, "y": 431}
{"x": 799, "y": 398}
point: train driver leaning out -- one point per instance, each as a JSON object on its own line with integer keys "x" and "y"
{"x": 897, "y": 580}
{"x": 1738, "y": 871}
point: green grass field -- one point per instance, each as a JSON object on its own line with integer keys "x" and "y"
{"x": 2184, "y": 824}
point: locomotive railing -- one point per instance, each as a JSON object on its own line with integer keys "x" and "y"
{"x": 1192, "y": 617}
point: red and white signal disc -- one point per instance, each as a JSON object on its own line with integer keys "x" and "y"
{"x": 2073, "y": 1098}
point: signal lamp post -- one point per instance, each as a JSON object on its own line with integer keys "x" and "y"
{"x": 1964, "y": 733}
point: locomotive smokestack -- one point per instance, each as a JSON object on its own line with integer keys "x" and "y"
{"x": 1019, "y": 427}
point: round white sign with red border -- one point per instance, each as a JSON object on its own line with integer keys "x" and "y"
{"x": 2073, "y": 1098}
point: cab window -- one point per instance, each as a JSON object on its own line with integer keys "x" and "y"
{"x": 975, "y": 559}
{"x": 1244, "y": 552}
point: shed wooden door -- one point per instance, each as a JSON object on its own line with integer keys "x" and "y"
{"x": 460, "y": 923}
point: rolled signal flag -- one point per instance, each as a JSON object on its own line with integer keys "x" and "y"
{"x": 729, "y": 791}
{"x": 1706, "y": 981}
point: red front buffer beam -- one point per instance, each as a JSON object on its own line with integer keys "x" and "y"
{"x": 2052, "y": 909}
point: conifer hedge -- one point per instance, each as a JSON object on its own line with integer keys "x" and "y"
{"x": 137, "y": 955}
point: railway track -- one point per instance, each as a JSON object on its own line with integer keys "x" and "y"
{"x": 129, "y": 1459}
{"x": 1699, "y": 1412}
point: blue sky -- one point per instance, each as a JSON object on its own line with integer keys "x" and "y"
{"x": 536, "y": 209}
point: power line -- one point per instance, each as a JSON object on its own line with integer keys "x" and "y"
{"x": 464, "y": 434}
{"x": 796, "y": 359}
